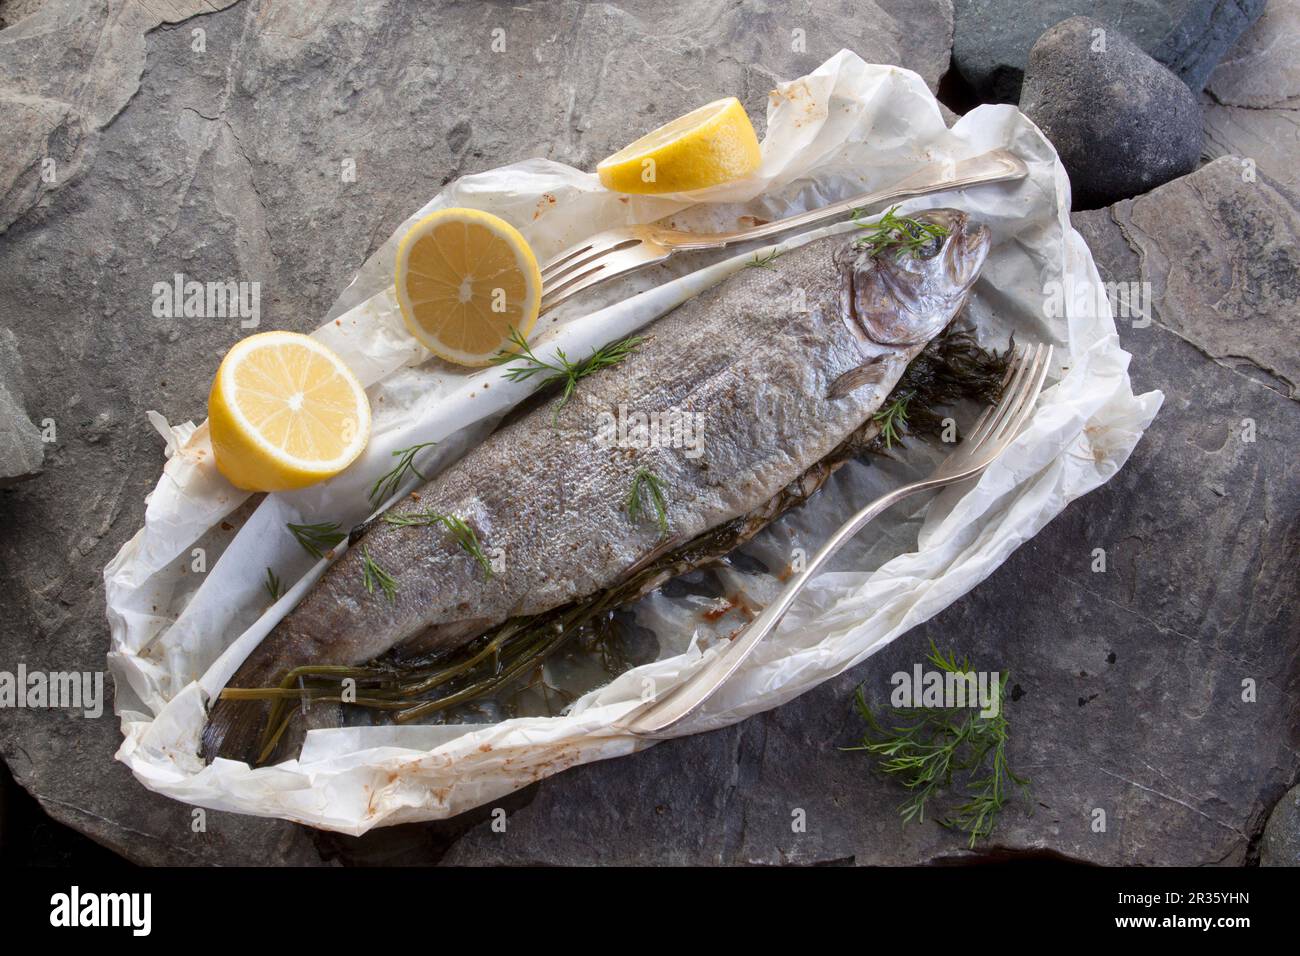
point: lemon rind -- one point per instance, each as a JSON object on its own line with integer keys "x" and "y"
{"x": 316, "y": 466}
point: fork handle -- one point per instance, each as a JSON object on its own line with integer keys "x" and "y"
{"x": 686, "y": 698}
{"x": 995, "y": 166}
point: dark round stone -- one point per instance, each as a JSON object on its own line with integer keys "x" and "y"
{"x": 1121, "y": 123}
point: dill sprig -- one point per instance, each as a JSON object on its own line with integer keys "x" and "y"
{"x": 388, "y": 483}
{"x": 644, "y": 480}
{"x": 763, "y": 262}
{"x": 932, "y": 745}
{"x": 567, "y": 373}
{"x": 468, "y": 540}
{"x": 273, "y": 586}
{"x": 317, "y": 538}
{"x": 457, "y": 526}
{"x": 372, "y": 575}
{"x": 892, "y": 418}
{"x": 900, "y": 233}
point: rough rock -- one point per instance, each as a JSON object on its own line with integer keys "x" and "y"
{"x": 1219, "y": 250}
{"x": 993, "y": 37}
{"x": 225, "y": 163}
{"x": 1281, "y": 845}
{"x": 21, "y": 448}
{"x": 1252, "y": 102}
{"x": 11, "y": 11}
{"x": 1121, "y": 123}
{"x": 67, "y": 69}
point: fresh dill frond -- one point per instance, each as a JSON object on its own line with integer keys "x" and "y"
{"x": 317, "y": 538}
{"x": 388, "y": 483}
{"x": 567, "y": 373}
{"x": 415, "y": 518}
{"x": 763, "y": 262}
{"x": 931, "y": 746}
{"x": 373, "y": 575}
{"x": 643, "y": 481}
{"x": 900, "y": 233}
{"x": 893, "y": 418}
{"x": 458, "y": 527}
{"x": 468, "y": 540}
{"x": 273, "y": 586}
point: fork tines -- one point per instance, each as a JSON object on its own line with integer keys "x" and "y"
{"x": 583, "y": 265}
{"x": 1026, "y": 373}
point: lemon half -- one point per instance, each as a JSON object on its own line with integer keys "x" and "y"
{"x": 285, "y": 412}
{"x": 708, "y": 146}
{"x": 464, "y": 279}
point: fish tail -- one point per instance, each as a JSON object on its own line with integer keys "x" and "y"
{"x": 235, "y": 728}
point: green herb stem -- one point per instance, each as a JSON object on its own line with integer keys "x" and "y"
{"x": 317, "y": 538}
{"x": 567, "y": 374}
{"x": 931, "y": 746}
{"x": 386, "y": 485}
{"x": 645, "y": 481}
{"x": 372, "y": 576}
{"x": 458, "y": 527}
{"x": 899, "y": 233}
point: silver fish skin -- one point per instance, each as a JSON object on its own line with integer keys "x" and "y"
{"x": 779, "y": 363}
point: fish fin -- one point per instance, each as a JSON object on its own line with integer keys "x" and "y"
{"x": 868, "y": 373}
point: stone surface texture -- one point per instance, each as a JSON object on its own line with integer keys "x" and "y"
{"x": 11, "y": 11}
{"x": 1281, "y": 845}
{"x": 223, "y": 164}
{"x": 1252, "y": 102}
{"x": 21, "y": 448}
{"x": 1220, "y": 248}
{"x": 1121, "y": 123}
{"x": 993, "y": 37}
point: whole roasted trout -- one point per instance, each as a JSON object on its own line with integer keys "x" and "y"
{"x": 751, "y": 384}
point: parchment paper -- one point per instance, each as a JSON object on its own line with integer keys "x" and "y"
{"x": 182, "y": 619}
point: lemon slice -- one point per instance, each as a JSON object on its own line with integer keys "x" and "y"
{"x": 711, "y": 145}
{"x": 464, "y": 279}
{"x": 285, "y": 412}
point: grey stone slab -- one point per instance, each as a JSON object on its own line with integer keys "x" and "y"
{"x": 1263, "y": 68}
{"x": 1252, "y": 101}
{"x": 1219, "y": 250}
{"x": 21, "y": 448}
{"x": 992, "y": 38}
{"x": 225, "y": 162}
{"x": 1281, "y": 846}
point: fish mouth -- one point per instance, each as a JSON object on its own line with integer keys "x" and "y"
{"x": 902, "y": 300}
{"x": 966, "y": 248}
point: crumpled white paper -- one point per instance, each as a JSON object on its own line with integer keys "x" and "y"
{"x": 185, "y": 596}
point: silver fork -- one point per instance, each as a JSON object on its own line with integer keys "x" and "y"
{"x": 617, "y": 251}
{"x": 993, "y": 432}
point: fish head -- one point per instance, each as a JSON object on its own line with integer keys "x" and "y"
{"x": 905, "y": 297}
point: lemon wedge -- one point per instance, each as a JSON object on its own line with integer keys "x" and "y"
{"x": 711, "y": 145}
{"x": 285, "y": 412}
{"x": 464, "y": 279}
